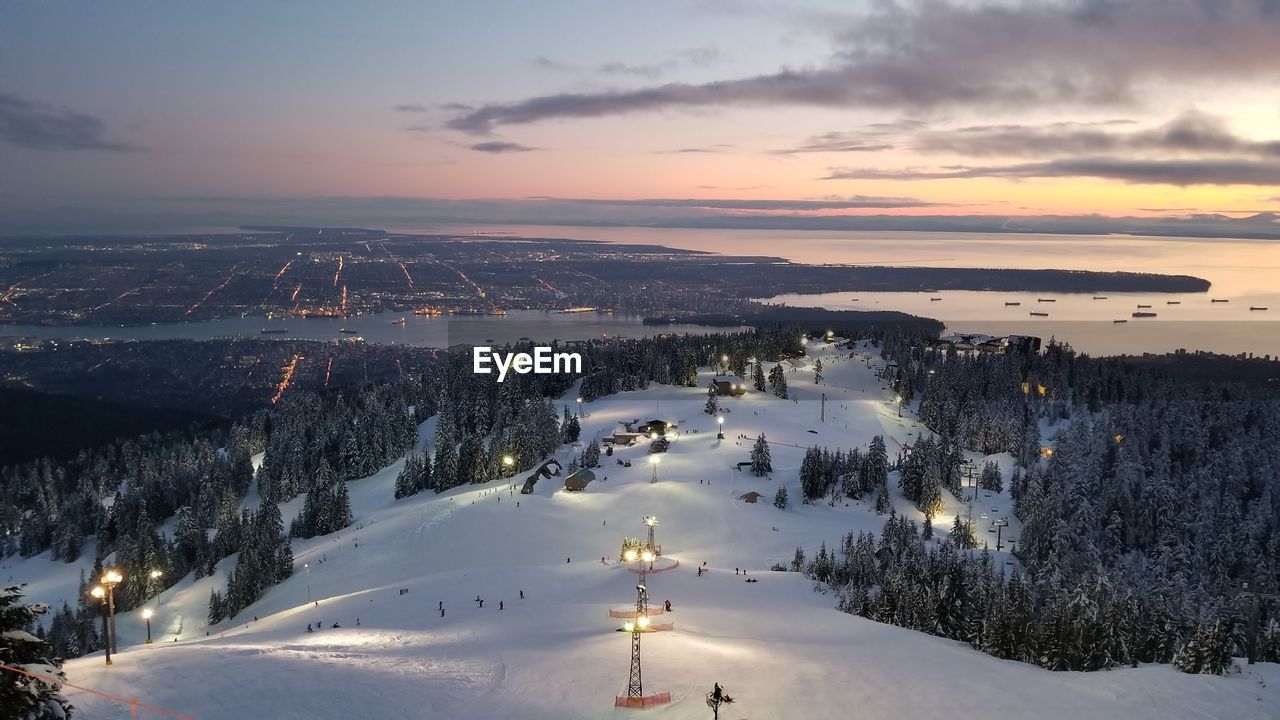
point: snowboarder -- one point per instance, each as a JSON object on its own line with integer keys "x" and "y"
{"x": 667, "y": 605}
{"x": 440, "y": 605}
{"x": 522, "y": 594}
{"x": 442, "y": 612}
{"x": 357, "y": 622}
{"x": 336, "y": 626}
{"x": 309, "y": 628}
{"x": 501, "y": 603}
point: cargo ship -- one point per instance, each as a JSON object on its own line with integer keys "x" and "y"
{"x": 1046, "y": 300}
{"x": 1254, "y": 307}
{"x": 1144, "y": 314}
{"x": 274, "y": 331}
{"x": 1219, "y": 300}
{"x": 1012, "y": 304}
{"x": 1039, "y": 314}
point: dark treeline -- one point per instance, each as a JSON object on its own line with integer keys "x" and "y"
{"x": 1158, "y": 503}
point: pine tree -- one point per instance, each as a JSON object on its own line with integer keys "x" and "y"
{"x": 713, "y": 405}
{"x": 780, "y": 498}
{"x": 591, "y": 456}
{"x": 778, "y": 381}
{"x": 883, "y": 504}
{"x": 757, "y": 377}
{"x": 817, "y": 371}
{"x": 22, "y": 696}
{"x": 761, "y": 461}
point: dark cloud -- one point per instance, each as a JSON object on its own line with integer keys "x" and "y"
{"x": 498, "y": 147}
{"x": 709, "y": 149}
{"x": 645, "y": 71}
{"x": 694, "y": 57}
{"x": 855, "y": 202}
{"x": 937, "y": 54}
{"x": 38, "y": 126}
{"x": 411, "y": 108}
{"x": 1192, "y": 132}
{"x": 1212, "y": 171}
{"x": 836, "y": 142}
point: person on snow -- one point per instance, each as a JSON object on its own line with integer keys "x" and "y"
{"x": 309, "y": 628}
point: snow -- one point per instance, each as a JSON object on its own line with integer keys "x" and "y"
{"x": 780, "y": 648}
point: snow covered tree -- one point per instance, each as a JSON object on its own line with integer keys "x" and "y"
{"x": 780, "y": 498}
{"x": 757, "y": 377}
{"x": 713, "y": 405}
{"x": 23, "y": 697}
{"x": 778, "y": 381}
{"x": 761, "y": 461}
{"x": 883, "y": 504}
{"x": 991, "y": 478}
{"x": 591, "y": 455}
{"x": 817, "y": 371}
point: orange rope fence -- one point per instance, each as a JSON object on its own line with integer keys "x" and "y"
{"x": 134, "y": 705}
{"x": 661, "y": 698}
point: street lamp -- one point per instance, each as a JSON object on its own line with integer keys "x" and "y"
{"x": 720, "y": 421}
{"x": 110, "y": 579}
{"x": 898, "y": 400}
{"x": 579, "y": 398}
{"x": 653, "y": 462}
{"x": 307, "y": 566}
{"x": 146, "y": 615}
{"x": 99, "y": 593}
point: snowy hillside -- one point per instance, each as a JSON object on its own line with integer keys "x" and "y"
{"x": 781, "y": 649}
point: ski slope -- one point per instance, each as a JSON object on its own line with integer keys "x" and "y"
{"x": 777, "y": 646}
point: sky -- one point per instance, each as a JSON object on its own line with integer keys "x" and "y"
{"x": 1110, "y": 114}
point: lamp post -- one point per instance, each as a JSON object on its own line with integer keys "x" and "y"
{"x": 307, "y": 566}
{"x": 146, "y": 615}
{"x": 898, "y": 400}
{"x": 653, "y": 463}
{"x": 100, "y": 594}
{"x": 720, "y": 421}
{"x": 635, "y": 685}
{"x": 508, "y": 464}
{"x": 110, "y": 579}
{"x": 579, "y": 399}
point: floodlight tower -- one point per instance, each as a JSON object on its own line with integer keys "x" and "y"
{"x": 635, "y": 685}
{"x": 651, "y": 522}
{"x": 653, "y": 462}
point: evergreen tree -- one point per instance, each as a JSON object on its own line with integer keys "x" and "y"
{"x": 780, "y": 498}
{"x": 591, "y": 455}
{"x": 883, "y": 504}
{"x": 778, "y": 381}
{"x": 22, "y": 696}
{"x": 757, "y": 377}
{"x": 761, "y": 461}
{"x": 817, "y": 371}
{"x": 713, "y": 405}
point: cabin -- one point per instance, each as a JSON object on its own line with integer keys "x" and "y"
{"x": 624, "y": 438}
{"x": 548, "y": 469}
{"x": 654, "y": 427}
{"x": 579, "y": 480}
{"x": 728, "y": 386}
{"x": 751, "y": 497}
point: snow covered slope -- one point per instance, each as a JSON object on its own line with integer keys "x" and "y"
{"x": 780, "y": 648}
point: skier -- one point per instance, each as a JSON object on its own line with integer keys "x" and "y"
{"x": 357, "y": 622}
{"x": 522, "y": 594}
{"x": 668, "y": 605}
{"x": 440, "y": 606}
{"x": 501, "y": 603}
{"x": 442, "y": 611}
{"x": 309, "y": 628}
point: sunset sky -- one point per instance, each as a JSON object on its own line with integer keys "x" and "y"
{"x": 144, "y": 116}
